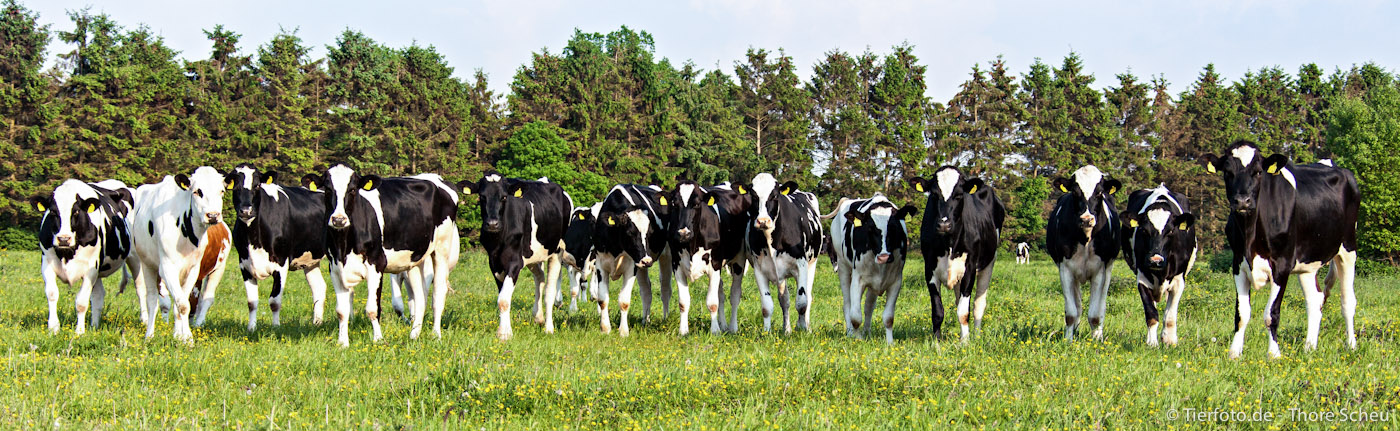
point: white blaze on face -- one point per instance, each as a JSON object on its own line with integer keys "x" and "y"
{"x": 1160, "y": 194}
{"x": 1088, "y": 177}
{"x": 339, "y": 176}
{"x": 211, "y": 184}
{"x": 763, "y": 186}
{"x": 1245, "y": 153}
{"x": 247, "y": 175}
{"x": 685, "y": 191}
{"x": 67, "y": 196}
{"x": 493, "y": 178}
{"x": 882, "y": 216}
{"x": 1158, "y": 217}
{"x": 947, "y": 179}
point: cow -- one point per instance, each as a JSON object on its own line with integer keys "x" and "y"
{"x": 169, "y": 226}
{"x": 1288, "y": 219}
{"x": 211, "y": 268}
{"x": 1023, "y": 253}
{"x": 83, "y": 236}
{"x": 870, "y": 241}
{"x": 1159, "y": 245}
{"x": 784, "y": 241}
{"x": 394, "y": 225}
{"x": 523, "y": 225}
{"x": 279, "y": 229}
{"x": 706, "y": 229}
{"x": 1082, "y": 238}
{"x": 580, "y": 258}
{"x": 959, "y": 235}
{"x": 629, "y": 236}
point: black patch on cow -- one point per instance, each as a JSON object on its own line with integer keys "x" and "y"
{"x": 276, "y": 285}
{"x": 186, "y": 224}
{"x": 151, "y": 227}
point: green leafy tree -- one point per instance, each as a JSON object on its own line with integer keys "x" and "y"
{"x": 25, "y": 97}
{"x": 536, "y": 150}
{"x": 1364, "y": 135}
{"x": 776, "y": 111}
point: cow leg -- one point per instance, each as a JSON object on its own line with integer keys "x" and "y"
{"x": 1273, "y": 309}
{"x": 342, "y": 305}
{"x": 805, "y": 294}
{"x": 134, "y": 265}
{"x": 1178, "y": 287}
{"x": 419, "y": 303}
{"x": 503, "y": 332}
{"x": 891, "y": 297}
{"x": 1242, "y": 310}
{"x": 373, "y": 283}
{"x": 645, "y": 281}
{"x": 1149, "y": 312}
{"x": 46, "y": 271}
{"x": 574, "y": 289}
{"x": 98, "y": 301}
{"x": 1313, "y": 296}
{"x": 1070, "y": 286}
{"x": 397, "y": 301}
{"x": 82, "y": 300}
{"x": 624, "y": 297}
{"x": 1344, "y": 265}
{"x": 714, "y": 299}
{"x": 783, "y": 303}
{"x": 551, "y": 291}
{"x": 279, "y": 287}
{"x": 318, "y": 293}
{"x": 1098, "y": 300}
{"x": 541, "y": 299}
{"x": 870, "y": 297}
{"x": 442, "y": 268}
{"x": 148, "y": 280}
{"x": 165, "y": 303}
{"x": 599, "y": 286}
{"x": 683, "y": 297}
{"x": 965, "y": 290}
{"x": 210, "y": 290}
{"x": 180, "y": 298}
{"x": 664, "y": 277}
{"x": 735, "y": 291}
{"x": 979, "y": 302}
{"x": 935, "y": 298}
{"x": 844, "y": 276}
{"x": 250, "y": 288}
{"x": 765, "y": 300}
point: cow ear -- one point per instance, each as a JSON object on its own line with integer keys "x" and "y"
{"x": 1112, "y": 186}
{"x": 906, "y": 211}
{"x": 854, "y": 216}
{"x": 1061, "y": 184}
{"x": 40, "y": 203}
{"x": 517, "y": 190}
{"x": 468, "y": 187}
{"x": 611, "y": 220}
{"x": 269, "y": 176}
{"x": 788, "y": 188}
{"x": 183, "y": 181}
{"x": 1210, "y": 162}
{"x": 90, "y": 205}
{"x": 1131, "y": 221}
{"x": 973, "y": 185}
{"x": 918, "y": 184}
{"x": 230, "y": 180}
{"x": 1184, "y": 221}
{"x": 311, "y": 182}
{"x": 661, "y": 198}
{"x": 369, "y": 182}
{"x": 742, "y": 189}
{"x": 1275, "y": 164}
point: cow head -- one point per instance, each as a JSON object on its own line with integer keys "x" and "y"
{"x": 627, "y": 229}
{"x": 206, "y": 191}
{"x": 1089, "y": 188}
{"x": 244, "y": 181}
{"x": 491, "y": 189}
{"x": 1243, "y": 168}
{"x": 685, "y": 202}
{"x": 879, "y": 228}
{"x": 78, "y": 212}
{"x": 578, "y": 237}
{"x": 1155, "y": 231}
{"x": 947, "y": 193}
{"x": 767, "y": 194}
{"x": 342, "y": 186}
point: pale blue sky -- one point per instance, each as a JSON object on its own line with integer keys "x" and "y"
{"x": 1172, "y": 38}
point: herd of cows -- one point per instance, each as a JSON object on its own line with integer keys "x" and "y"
{"x": 170, "y": 238}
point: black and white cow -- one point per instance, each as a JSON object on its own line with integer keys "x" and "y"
{"x": 1288, "y": 219}
{"x": 1023, "y": 253}
{"x": 387, "y": 225}
{"x": 169, "y": 226}
{"x": 707, "y": 228}
{"x": 629, "y": 235}
{"x": 960, "y": 235}
{"x": 83, "y": 237}
{"x": 279, "y": 229}
{"x": 580, "y": 259}
{"x": 1082, "y": 237}
{"x": 871, "y": 241}
{"x": 523, "y": 224}
{"x": 1159, "y": 245}
{"x": 784, "y": 242}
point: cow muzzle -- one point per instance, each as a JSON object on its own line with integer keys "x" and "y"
{"x": 685, "y": 234}
{"x": 212, "y": 217}
{"x": 1087, "y": 221}
{"x": 764, "y": 223}
{"x": 493, "y": 226}
{"x": 882, "y": 258}
{"x": 945, "y": 226}
{"x": 1157, "y": 261}
{"x": 340, "y": 221}
{"x": 245, "y": 213}
{"x": 64, "y": 241}
{"x": 645, "y": 262}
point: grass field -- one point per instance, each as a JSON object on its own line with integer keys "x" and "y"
{"x": 1017, "y": 374}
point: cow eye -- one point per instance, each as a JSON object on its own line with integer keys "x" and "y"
{"x": 198, "y": 193}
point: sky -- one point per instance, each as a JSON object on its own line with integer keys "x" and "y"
{"x": 1174, "y": 39}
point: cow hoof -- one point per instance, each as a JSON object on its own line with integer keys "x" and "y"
{"x": 503, "y": 335}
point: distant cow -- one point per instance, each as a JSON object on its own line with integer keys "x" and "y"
{"x": 870, "y": 241}
{"x": 279, "y": 229}
{"x": 523, "y": 224}
{"x": 1288, "y": 219}
{"x": 83, "y": 237}
{"x": 707, "y": 229}
{"x": 1159, "y": 245}
{"x": 1082, "y": 237}
{"x": 388, "y": 225}
{"x": 580, "y": 259}
{"x": 959, "y": 238}
{"x": 784, "y": 241}
{"x": 629, "y": 235}
{"x": 169, "y": 227}
{"x": 1023, "y": 253}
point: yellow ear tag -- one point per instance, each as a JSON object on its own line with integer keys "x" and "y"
{"x": 519, "y": 192}
{"x": 369, "y": 185}
{"x": 786, "y": 191}
{"x": 466, "y": 190}
{"x": 1112, "y": 190}
{"x": 228, "y": 186}
{"x": 41, "y": 207}
{"x": 311, "y": 186}
{"x": 1063, "y": 189}
{"x": 711, "y": 202}
{"x": 919, "y": 187}
{"x": 663, "y": 201}
{"x": 742, "y": 190}
{"x": 1132, "y": 223}
{"x": 856, "y": 222}
{"x": 1181, "y": 226}
{"x": 1273, "y": 169}
{"x": 92, "y": 207}
{"x": 974, "y": 189}
{"x": 611, "y": 221}
{"x": 1210, "y": 167}
{"x": 268, "y": 181}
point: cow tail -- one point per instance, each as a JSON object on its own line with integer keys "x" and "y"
{"x": 838, "y": 208}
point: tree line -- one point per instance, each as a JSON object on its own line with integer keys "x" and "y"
{"x": 603, "y": 110}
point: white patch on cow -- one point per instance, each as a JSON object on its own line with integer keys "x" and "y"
{"x": 372, "y": 196}
{"x": 1259, "y": 271}
{"x": 340, "y": 181}
{"x": 654, "y": 187}
{"x": 1158, "y": 217}
{"x": 1084, "y": 264}
{"x": 1087, "y": 178}
{"x": 947, "y": 179}
{"x": 211, "y": 184}
{"x": 273, "y": 191}
{"x": 881, "y": 216}
{"x": 247, "y": 176}
{"x": 1325, "y": 162}
{"x": 437, "y": 181}
{"x": 640, "y": 219}
{"x": 1160, "y": 194}
{"x": 538, "y": 253}
{"x": 1288, "y": 176}
{"x": 306, "y": 260}
{"x": 685, "y": 191}
{"x": 595, "y": 209}
{"x": 763, "y": 185}
{"x": 493, "y": 178}
{"x": 258, "y": 262}
{"x": 543, "y": 179}
{"x": 1245, "y": 153}
{"x": 1307, "y": 268}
